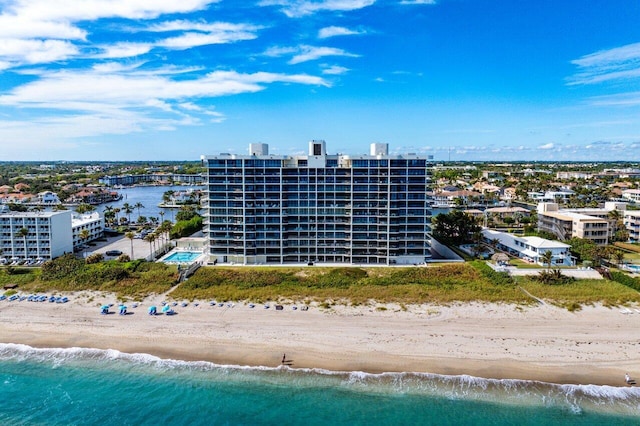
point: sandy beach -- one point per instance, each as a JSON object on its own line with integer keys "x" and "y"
{"x": 597, "y": 345}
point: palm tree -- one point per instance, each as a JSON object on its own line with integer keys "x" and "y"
{"x": 127, "y": 209}
{"x": 84, "y": 234}
{"x": 108, "y": 215}
{"x": 150, "y": 238}
{"x": 84, "y": 208}
{"x": 23, "y": 232}
{"x": 546, "y": 258}
{"x": 130, "y": 235}
{"x": 138, "y": 206}
{"x": 116, "y": 211}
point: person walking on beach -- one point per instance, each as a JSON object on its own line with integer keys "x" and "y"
{"x": 284, "y": 358}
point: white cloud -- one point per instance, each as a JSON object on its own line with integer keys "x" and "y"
{"x": 305, "y": 53}
{"x": 335, "y": 70}
{"x": 621, "y": 99}
{"x": 311, "y": 53}
{"x": 418, "y": 2}
{"x": 35, "y": 51}
{"x": 337, "y": 31}
{"x": 277, "y": 51}
{"x": 88, "y": 89}
{"x": 41, "y": 31}
{"x": 97, "y": 102}
{"x": 86, "y": 10}
{"x": 12, "y": 26}
{"x": 124, "y": 50}
{"x": 549, "y": 145}
{"x": 189, "y": 40}
{"x": 620, "y": 63}
{"x": 299, "y": 8}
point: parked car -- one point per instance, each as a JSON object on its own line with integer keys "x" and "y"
{"x": 113, "y": 253}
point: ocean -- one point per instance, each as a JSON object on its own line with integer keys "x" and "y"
{"x": 96, "y": 387}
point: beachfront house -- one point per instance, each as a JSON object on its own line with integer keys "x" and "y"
{"x": 530, "y": 249}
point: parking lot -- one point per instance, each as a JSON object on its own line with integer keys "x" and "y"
{"x": 119, "y": 243}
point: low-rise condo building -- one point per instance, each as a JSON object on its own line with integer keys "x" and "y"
{"x": 38, "y": 236}
{"x": 633, "y": 195}
{"x": 35, "y": 236}
{"x": 596, "y": 224}
{"x": 274, "y": 209}
{"x": 631, "y": 220}
{"x": 92, "y": 223}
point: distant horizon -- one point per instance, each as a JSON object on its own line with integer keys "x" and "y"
{"x": 495, "y": 163}
{"x": 461, "y": 80}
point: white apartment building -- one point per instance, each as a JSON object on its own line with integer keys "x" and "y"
{"x": 48, "y": 235}
{"x": 631, "y": 220}
{"x": 91, "y": 222}
{"x": 530, "y": 248}
{"x": 593, "y": 224}
{"x": 275, "y": 209}
{"x": 633, "y": 195}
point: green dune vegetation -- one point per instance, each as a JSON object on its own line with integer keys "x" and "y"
{"x": 440, "y": 284}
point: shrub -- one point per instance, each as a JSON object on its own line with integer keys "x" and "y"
{"x": 124, "y": 258}
{"x": 553, "y": 277}
{"x": 94, "y": 258}
{"x": 61, "y": 267}
{"x": 499, "y": 278}
{"x": 185, "y": 228}
{"x": 625, "y": 279}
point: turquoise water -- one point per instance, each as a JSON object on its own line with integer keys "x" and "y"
{"x": 87, "y": 387}
{"x": 183, "y": 256}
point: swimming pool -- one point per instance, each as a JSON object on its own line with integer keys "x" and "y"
{"x": 634, "y": 268}
{"x": 182, "y": 257}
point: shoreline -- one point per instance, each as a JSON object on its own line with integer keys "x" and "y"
{"x": 541, "y": 343}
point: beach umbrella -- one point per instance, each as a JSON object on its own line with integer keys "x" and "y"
{"x": 152, "y": 309}
{"x": 166, "y": 308}
{"x": 104, "y": 307}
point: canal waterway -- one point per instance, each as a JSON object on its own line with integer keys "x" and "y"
{"x": 149, "y": 197}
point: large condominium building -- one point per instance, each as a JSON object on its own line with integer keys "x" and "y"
{"x": 274, "y": 209}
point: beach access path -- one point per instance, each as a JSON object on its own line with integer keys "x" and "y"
{"x": 596, "y": 345}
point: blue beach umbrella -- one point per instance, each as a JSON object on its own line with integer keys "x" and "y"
{"x": 152, "y": 310}
{"x": 166, "y": 308}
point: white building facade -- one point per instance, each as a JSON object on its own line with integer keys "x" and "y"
{"x": 273, "y": 209}
{"x": 48, "y": 235}
{"x": 631, "y": 220}
{"x": 530, "y": 249}
{"x": 93, "y": 223}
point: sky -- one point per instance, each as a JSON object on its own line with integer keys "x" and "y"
{"x": 476, "y": 80}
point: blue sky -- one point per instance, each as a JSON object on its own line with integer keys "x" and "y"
{"x": 456, "y": 79}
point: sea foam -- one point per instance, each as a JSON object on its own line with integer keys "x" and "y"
{"x": 573, "y": 398}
